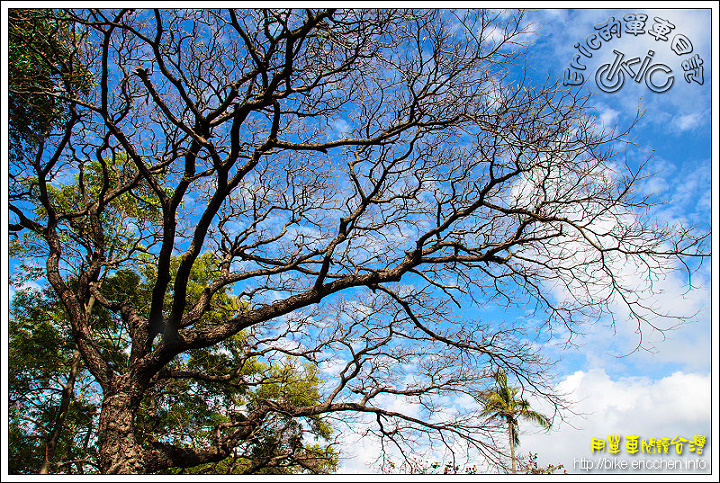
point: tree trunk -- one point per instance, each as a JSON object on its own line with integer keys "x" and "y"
{"x": 67, "y": 395}
{"x": 119, "y": 451}
{"x": 511, "y": 434}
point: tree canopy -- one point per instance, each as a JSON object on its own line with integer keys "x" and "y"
{"x": 42, "y": 62}
{"x": 260, "y": 225}
{"x": 501, "y": 402}
{"x": 46, "y": 399}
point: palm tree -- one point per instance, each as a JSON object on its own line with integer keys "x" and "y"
{"x": 501, "y": 402}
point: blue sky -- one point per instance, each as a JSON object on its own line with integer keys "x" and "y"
{"x": 675, "y": 131}
{"x": 662, "y": 390}
{"x": 666, "y": 392}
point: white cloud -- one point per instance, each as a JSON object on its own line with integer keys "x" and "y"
{"x": 340, "y": 127}
{"x": 688, "y": 121}
{"x": 667, "y": 343}
{"x": 359, "y": 454}
{"x": 684, "y": 106}
{"x": 676, "y": 405}
{"x": 608, "y": 117}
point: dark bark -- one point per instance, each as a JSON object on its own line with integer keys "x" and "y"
{"x": 448, "y": 219}
{"x": 120, "y": 452}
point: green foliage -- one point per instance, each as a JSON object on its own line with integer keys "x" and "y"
{"x": 186, "y": 409}
{"x": 502, "y": 401}
{"x": 43, "y": 65}
{"x": 182, "y": 409}
{"x": 40, "y": 350}
{"x": 135, "y": 288}
{"x": 128, "y": 207}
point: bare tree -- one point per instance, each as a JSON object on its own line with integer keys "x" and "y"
{"x": 358, "y": 178}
